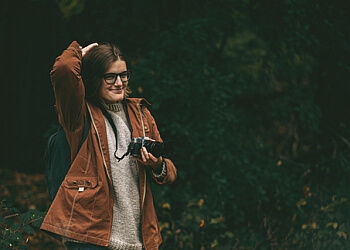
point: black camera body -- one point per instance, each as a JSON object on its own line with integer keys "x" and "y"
{"x": 157, "y": 149}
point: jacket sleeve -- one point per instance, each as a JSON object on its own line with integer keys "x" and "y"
{"x": 171, "y": 171}
{"x": 69, "y": 89}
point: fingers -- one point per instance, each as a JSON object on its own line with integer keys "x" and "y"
{"x": 87, "y": 48}
{"x": 148, "y": 158}
{"x": 91, "y": 45}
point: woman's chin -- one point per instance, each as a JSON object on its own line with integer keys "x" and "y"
{"x": 114, "y": 98}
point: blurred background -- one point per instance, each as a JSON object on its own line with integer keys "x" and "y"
{"x": 255, "y": 94}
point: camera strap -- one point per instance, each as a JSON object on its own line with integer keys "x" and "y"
{"x": 130, "y": 147}
{"x": 110, "y": 120}
{"x": 115, "y": 131}
{"x": 126, "y": 153}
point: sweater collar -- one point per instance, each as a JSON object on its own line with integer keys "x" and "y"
{"x": 115, "y": 107}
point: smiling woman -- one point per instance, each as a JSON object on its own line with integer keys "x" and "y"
{"x": 93, "y": 81}
{"x": 104, "y": 68}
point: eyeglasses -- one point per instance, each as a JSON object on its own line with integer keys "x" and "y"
{"x": 111, "y": 78}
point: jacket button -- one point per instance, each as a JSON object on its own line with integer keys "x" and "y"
{"x": 88, "y": 183}
{"x": 75, "y": 183}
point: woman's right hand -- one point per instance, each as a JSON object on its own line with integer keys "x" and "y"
{"x": 87, "y": 48}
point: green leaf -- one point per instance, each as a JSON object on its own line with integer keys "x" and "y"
{"x": 5, "y": 233}
{"x": 28, "y": 229}
{"x": 37, "y": 218}
{"x": 17, "y": 237}
{"x": 16, "y": 227}
{"x": 15, "y": 210}
{"x": 26, "y": 217}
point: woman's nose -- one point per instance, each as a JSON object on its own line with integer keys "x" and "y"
{"x": 118, "y": 81}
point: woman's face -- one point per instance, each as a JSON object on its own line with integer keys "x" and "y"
{"x": 114, "y": 92}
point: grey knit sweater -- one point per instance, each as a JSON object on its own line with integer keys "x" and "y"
{"x": 126, "y": 211}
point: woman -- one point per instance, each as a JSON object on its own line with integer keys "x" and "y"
{"x": 105, "y": 199}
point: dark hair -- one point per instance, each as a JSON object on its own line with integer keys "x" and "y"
{"x": 94, "y": 64}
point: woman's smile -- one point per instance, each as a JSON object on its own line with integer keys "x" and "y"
{"x": 118, "y": 90}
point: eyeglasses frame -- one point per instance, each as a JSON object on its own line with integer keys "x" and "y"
{"x": 128, "y": 72}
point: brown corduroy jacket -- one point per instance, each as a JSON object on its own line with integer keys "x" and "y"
{"x": 83, "y": 207}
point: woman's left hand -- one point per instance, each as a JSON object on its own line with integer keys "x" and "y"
{"x": 150, "y": 160}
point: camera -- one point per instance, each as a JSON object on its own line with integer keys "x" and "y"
{"x": 157, "y": 149}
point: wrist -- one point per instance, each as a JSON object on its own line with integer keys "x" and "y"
{"x": 161, "y": 173}
{"x": 157, "y": 167}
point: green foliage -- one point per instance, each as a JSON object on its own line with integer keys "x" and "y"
{"x": 324, "y": 226}
{"x": 250, "y": 128}
{"x": 16, "y": 226}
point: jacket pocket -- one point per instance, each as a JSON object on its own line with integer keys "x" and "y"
{"x": 72, "y": 182}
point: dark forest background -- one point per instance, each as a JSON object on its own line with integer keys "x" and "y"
{"x": 256, "y": 95}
